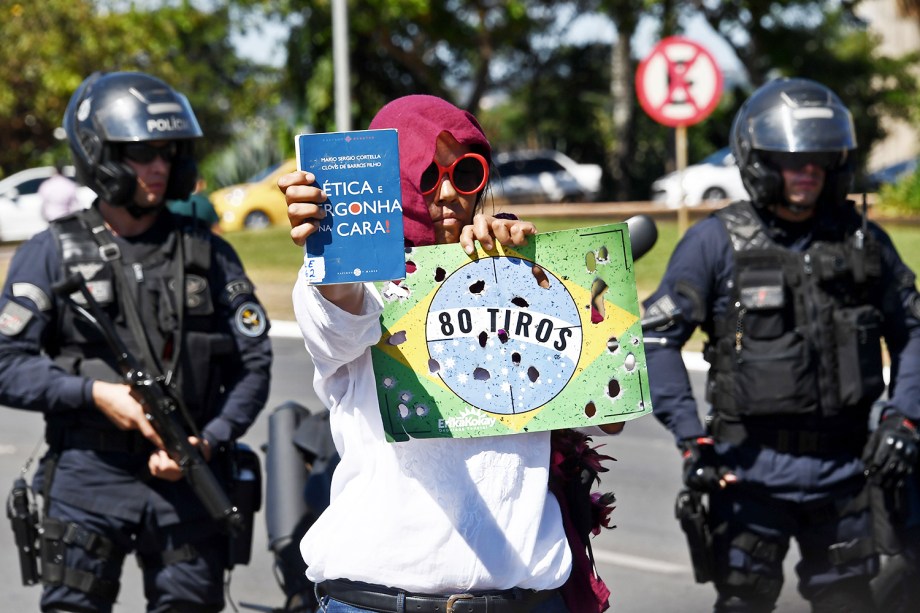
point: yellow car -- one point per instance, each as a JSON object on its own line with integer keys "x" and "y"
{"x": 258, "y": 203}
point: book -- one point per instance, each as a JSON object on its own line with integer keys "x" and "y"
{"x": 361, "y": 237}
{"x": 512, "y": 340}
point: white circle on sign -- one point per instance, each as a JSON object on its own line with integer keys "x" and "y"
{"x": 501, "y": 342}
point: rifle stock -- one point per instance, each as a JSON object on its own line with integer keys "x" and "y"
{"x": 160, "y": 406}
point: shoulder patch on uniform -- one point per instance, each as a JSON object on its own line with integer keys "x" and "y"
{"x": 250, "y": 319}
{"x": 240, "y": 287}
{"x": 33, "y": 293}
{"x": 13, "y": 318}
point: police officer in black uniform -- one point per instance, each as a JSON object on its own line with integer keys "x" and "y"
{"x": 181, "y": 302}
{"x": 794, "y": 290}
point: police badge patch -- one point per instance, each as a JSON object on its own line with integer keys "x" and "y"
{"x": 13, "y": 318}
{"x": 250, "y": 319}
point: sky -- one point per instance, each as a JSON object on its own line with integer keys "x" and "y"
{"x": 266, "y": 45}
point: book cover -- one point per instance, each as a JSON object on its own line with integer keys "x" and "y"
{"x": 512, "y": 340}
{"x": 361, "y": 238}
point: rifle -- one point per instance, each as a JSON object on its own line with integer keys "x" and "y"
{"x": 162, "y": 408}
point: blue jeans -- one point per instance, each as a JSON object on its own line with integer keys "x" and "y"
{"x": 327, "y": 605}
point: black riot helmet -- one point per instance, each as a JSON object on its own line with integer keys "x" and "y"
{"x": 110, "y": 110}
{"x": 793, "y": 116}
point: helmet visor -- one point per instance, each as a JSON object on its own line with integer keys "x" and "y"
{"x": 137, "y": 117}
{"x": 795, "y": 129}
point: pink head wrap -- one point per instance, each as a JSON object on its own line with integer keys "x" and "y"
{"x": 420, "y": 119}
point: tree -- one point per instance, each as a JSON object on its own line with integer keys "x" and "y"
{"x": 51, "y": 46}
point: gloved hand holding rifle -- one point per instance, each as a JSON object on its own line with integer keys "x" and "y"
{"x": 162, "y": 409}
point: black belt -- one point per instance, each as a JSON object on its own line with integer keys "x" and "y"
{"x": 386, "y": 600}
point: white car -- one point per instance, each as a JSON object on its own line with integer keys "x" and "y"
{"x": 21, "y": 206}
{"x": 536, "y": 177}
{"x": 715, "y": 178}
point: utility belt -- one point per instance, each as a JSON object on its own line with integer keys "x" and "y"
{"x": 790, "y": 441}
{"x": 384, "y": 599}
{"x": 100, "y": 440}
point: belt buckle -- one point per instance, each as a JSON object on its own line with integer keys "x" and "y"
{"x": 454, "y": 598}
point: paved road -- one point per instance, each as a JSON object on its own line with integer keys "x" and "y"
{"x": 644, "y": 560}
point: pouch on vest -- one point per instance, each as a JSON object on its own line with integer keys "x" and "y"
{"x": 774, "y": 365}
{"x": 859, "y": 354}
{"x": 763, "y": 300}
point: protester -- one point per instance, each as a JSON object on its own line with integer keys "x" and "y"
{"x": 181, "y": 302}
{"x": 795, "y": 290}
{"x": 435, "y": 525}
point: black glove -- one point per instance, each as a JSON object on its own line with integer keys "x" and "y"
{"x": 891, "y": 453}
{"x": 702, "y": 471}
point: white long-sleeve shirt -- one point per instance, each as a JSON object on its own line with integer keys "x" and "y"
{"x": 427, "y": 515}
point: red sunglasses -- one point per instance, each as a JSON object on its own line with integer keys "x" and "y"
{"x": 468, "y": 174}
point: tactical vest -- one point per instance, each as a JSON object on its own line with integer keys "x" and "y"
{"x": 802, "y": 332}
{"x": 184, "y": 341}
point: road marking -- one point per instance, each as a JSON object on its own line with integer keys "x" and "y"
{"x": 639, "y": 563}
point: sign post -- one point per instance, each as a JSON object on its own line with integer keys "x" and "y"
{"x": 679, "y": 84}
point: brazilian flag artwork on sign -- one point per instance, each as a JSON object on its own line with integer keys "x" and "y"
{"x": 512, "y": 340}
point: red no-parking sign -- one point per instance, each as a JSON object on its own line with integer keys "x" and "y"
{"x": 678, "y": 83}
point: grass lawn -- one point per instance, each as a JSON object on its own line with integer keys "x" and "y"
{"x": 272, "y": 260}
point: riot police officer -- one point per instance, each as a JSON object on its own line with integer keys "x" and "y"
{"x": 181, "y": 302}
{"x": 794, "y": 290}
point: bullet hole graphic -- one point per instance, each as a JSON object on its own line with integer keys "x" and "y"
{"x": 433, "y": 366}
{"x": 520, "y": 302}
{"x": 389, "y": 382}
{"x": 540, "y": 275}
{"x": 439, "y": 274}
{"x": 397, "y": 339}
{"x": 405, "y": 396}
{"x": 613, "y": 388}
{"x": 516, "y": 358}
{"x": 590, "y": 409}
{"x": 421, "y": 410}
{"x": 590, "y": 261}
{"x": 481, "y": 374}
{"x": 476, "y": 288}
{"x": 612, "y": 344}
{"x": 396, "y": 290}
{"x": 602, "y": 255}
{"x": 410, "y": 267}
{"x": 630, "y": 362}
{"x": 533, "y": 374}
{"x": 503, "y": 336}
{"x": 403, "y": 410}
{"x": 598, "y": 288}
{"x": 483, "y": 338}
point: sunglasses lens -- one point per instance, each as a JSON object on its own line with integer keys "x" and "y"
{"x": 468, "y": 174}
{"x": 430, "y": 178}
{"x": 800, "y": 160}
{"x": 143, "y": 153}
